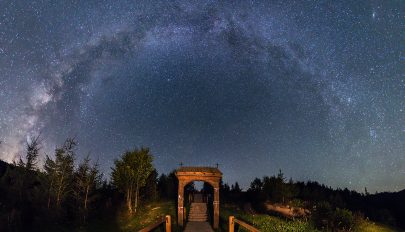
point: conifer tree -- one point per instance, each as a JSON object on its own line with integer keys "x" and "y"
{"x": 33, "y": 148}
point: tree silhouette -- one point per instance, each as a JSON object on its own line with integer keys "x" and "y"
{"x": 60, "y": 171}
{"x": 32, "y": 153}
{"x": 150, "y": 191}
{"x": 235, "y": 188}
{"x": 87, "y": 179}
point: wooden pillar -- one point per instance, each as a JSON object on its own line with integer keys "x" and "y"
{"x": 168, "y": 223}
{"x": 231, "y": 223}
{"x": 216, "y": 206}
{"x": 180, "y": 204}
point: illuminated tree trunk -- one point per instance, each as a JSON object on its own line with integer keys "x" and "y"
{"x": 129, "y": 201}
{"x": 59, "y": 193}
{"x": 136, "y": 194}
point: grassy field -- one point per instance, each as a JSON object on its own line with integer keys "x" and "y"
{"x": 153, "y": 211}
{"x": 277, "y": 224}
{"x": 145, "y": 216}
{"x": 263, "y": 222}
{"x": 148, "y": 215}
{"x": 374, "y": 227}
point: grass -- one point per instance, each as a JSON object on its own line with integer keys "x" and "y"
{"x": 151, "y": 212}
{"x": 368, "y": 226}
{"x": 263, "y": 222}
{"x": 146, "y": 215}
{"x": 267, "y": 223}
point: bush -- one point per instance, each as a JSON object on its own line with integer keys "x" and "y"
{"x": 321, "y": 215}
{"x": 297, "y": 203}
{"x": 325, "y": 217}
{"x": 343, "y": 220}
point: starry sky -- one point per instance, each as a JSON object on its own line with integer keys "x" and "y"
{"x": 315, "y": 88}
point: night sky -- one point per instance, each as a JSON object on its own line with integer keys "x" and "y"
{"x": 316, "y": 89}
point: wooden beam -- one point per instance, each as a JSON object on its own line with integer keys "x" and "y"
{"x": 246, "y": 226}
{"x": 231, "y": 223}
{"x": 153, "y": 226}
{"x": 168, "y": 223}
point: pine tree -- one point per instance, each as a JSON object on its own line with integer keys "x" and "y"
{"x": 32, "y": 153}
{"x": 236, "y": 188}
{"x": 256, "y": 185}
{"x": 31, "y": 156}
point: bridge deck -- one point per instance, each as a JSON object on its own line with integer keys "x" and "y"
{"x": 195, "y": 225}
{"x": 198, "y": 227}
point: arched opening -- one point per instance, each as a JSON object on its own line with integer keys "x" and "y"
{"x": 209, "y": 175}
{"x": 198, "y": 201}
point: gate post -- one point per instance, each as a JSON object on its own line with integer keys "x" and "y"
{"x": 180, "y": 204}
{"x": 231, "y": 223}
{"x": 216, "y": 206}
{"x": 168, "y": 223}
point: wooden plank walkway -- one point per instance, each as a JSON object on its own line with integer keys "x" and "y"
{"x": 198, "y": 198}
{"x": 196, "y": 222}
{"x": 198, "y": 227}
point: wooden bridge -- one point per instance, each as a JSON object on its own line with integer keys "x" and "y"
{"x": 199, "y": 226}
{"x": 198, "y": 215}
{"x": 187, "y": 175}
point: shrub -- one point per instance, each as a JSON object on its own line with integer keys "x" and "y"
{"x": 297, "y": 203}
{"x": 321, "y": 215}
{"x": 325, "y": 217}
{"x": 343, "y": 219}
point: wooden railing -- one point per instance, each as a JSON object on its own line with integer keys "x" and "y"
{"x": 165, "y": 220}
{"x": 233, "y": 221}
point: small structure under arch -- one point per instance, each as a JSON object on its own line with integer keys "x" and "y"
{"x": 186, "y": 175}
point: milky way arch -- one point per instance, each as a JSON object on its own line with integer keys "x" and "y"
{"x": 316, "y": 89}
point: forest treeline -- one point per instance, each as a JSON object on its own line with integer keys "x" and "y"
{"x": 62, "y": 191}
{"x": 71, "y": 192}
{"x": 330, "y": 208}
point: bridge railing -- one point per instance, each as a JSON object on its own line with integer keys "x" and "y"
{"x": 233, "y": 221}
{"x": 164, "y": 220}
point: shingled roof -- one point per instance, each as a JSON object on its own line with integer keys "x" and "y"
{"x": 199, "y": 169}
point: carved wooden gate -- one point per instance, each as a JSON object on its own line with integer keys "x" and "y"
{"x": 209, "y": 175}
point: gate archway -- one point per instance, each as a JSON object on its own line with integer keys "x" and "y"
{"x": 186, "y": 175}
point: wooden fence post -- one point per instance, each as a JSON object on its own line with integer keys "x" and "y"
{"x": 231, "y": 223}
{"x": 168, "y": 224}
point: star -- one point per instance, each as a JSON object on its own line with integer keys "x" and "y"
{"x": 255, "y": 87}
